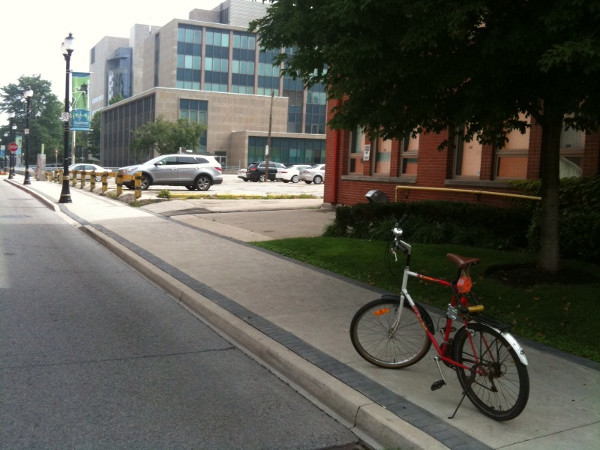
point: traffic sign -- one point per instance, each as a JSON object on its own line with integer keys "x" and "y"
{"x": 13, "y": 147}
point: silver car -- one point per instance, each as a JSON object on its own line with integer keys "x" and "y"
{"x": 314, "y": 174}
{"x": 192, "y": 171}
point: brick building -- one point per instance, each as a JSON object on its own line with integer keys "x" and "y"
{"x": 414, "y": 168}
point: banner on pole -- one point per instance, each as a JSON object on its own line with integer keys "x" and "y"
{"x": 80, "y": 110}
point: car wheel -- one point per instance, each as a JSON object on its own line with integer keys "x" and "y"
{"x": 245, "y": 180}
{"x": 286, "y": 181}
{"x": 190, "y": 187}
{"x": 307, "y": 181}
{"x": 295, "y": 179}
{"x": 203, "y": 183}
{"x": 145, "y": 184}
{"x": 128, "y": 186}
{"x": 262, "y": 177}
{"x": 318, "y": 179}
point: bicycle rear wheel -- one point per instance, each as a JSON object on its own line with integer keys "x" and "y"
{"x": 373, "y": 337}
{"x": 498, "y": 383}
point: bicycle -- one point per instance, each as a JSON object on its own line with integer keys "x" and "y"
{"x": 395, "y": 332}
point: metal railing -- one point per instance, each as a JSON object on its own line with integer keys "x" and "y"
{"x": 464, "y": 191}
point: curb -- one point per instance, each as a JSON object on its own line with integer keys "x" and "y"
{"x": 351, "y": 406}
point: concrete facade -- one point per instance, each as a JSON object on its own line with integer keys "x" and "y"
{"x": 157, "y": 91}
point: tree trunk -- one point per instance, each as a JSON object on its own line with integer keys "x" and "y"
{"x": 549, "y": 255}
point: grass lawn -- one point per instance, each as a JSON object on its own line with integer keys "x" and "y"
{"x": 561, "y": 311}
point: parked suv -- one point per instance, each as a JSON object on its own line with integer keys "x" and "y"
{"x": 192, "y": 171}
{"x": 256, "y": 171}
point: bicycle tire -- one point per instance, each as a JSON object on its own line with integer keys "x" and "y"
{"x": 498, "y": 385}
{"x": 370, "y": 328}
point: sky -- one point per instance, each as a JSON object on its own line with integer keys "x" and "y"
{"x": 34, "y": 30}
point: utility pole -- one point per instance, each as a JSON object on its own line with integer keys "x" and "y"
{"x": 269, "y": 139}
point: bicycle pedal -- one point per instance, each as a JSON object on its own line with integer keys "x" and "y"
{"x": 437, "y": 385}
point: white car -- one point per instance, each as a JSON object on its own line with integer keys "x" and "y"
{"x": 88, "y": 168}
{"x": 291, "y": 173}
{"x": 314, "y": 174}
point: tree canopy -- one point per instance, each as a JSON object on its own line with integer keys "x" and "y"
{"x": 166, "y": 137}
{"x": 480, "y": 67}
{"x": 44, "y": 117}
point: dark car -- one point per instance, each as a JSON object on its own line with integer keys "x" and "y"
{"x": 256, "y": 171}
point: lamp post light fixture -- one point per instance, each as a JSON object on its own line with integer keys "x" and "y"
{"x": 11, "y": 137}
{"x": 67, "y": 49}
{"x": 27, "y": 95}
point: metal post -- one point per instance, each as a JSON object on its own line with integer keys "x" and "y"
{"x": 11, "y": 134}
{"x": 269, "y": 139}
{"x": 28, "y": 94}
{"x": 65, "y": 195}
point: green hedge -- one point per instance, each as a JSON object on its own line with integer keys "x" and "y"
{"x": 516, "y": 227}
{"x": 436, "y": 222}
{"x": 579, "y": 217}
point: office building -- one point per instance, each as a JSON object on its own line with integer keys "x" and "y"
{"x": 209, "y": 69}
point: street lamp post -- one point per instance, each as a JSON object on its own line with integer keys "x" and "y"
{"x": 11, "y": 133}
{"x": 67, "y": 49}
{"x": 27, "y": 94}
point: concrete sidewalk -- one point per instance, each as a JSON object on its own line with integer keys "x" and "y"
{"x": 295, "y": 318}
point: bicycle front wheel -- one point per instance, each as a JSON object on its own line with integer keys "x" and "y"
{"x": 377, "y": 340}
{"x": 498, "y": 382}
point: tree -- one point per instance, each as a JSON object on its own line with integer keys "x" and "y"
{"x": 44, "y": 117}
{"x": 475, "y": 66}
{"x": 166, "y": 137}
{"x": 93, "y": 141}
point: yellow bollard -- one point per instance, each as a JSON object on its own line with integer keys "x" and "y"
{"x": 138, "y": 185}
{"x": 82, "y": 179}
{"x": 92, "y": 180}
{"x": 104, "y": 182}
{"x": 119, "y": 184}
{"x": 73, "y": 175}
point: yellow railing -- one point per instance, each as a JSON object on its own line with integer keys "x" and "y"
{"x": 79, "y": 176}
{"x": 464, "y": 191}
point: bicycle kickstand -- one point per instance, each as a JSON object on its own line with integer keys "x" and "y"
{"x": 459, "y": 403}
{"x": 439, "y": 383}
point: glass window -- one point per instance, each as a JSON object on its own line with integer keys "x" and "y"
{"x": 467, "y": 158}
{"x": 511, "y": 160}
{"x": 189, "y": 51}
{"x": 572, "y": 144}
{"x": 383, "y": 153}
{"x": 357, "y": 147}
{"x": 409, "y": 156}
{"x": 195, "y": 111}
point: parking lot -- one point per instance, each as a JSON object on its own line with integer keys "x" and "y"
{"x": 234, "y": 185}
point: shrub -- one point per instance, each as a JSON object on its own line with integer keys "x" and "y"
{"x": 436, "y": 222}
{"x": 516, "y": 227}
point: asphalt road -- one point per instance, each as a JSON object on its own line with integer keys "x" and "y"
{"x": 93, "y": 355}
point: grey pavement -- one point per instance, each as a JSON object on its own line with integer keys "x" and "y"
{"x": 295, "y": 318}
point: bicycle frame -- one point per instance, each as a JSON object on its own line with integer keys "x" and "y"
{"x": 458, "y": 304}
{"x": 489, "y": 362}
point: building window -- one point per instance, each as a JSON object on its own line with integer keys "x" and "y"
{"x": 216, "y": 62}
{"x": 383, "y": 153}
{"x": 189, "y": 57}
{"x": 242, "y": 64}
{"x": 268, "y": 75}
{"x": 409, "y": 156}
{"x": 511, "y": 160}
{"x": 316, "y": 107}
{"x": 287, "y": 150}
{"x": 467, "y": 158}
{"x": 356, "y": 152}
{"x": 195, "y": 111}
{"x": 572, "y": 144}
